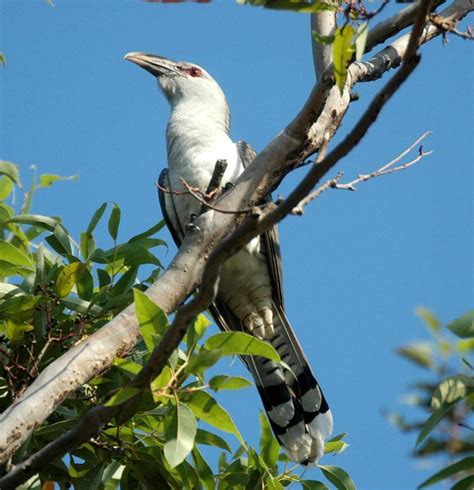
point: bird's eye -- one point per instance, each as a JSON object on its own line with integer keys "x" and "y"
{"x": 194, "y": 71}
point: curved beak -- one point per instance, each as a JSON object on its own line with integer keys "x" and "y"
{"x": 156, "y": 65}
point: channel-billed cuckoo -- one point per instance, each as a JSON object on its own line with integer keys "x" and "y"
{"x": 250, "y": 296}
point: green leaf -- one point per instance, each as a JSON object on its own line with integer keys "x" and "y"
{"x": 197, "y": 329}
{"x": 418, "y": 353}
{"x": 10, "y": 170}
{"x": 211, "y": 439}
{"x": 205, "y": 407}
{"x": 429, "y": 318}
{"x": 104, "y": 278}
{"x": 335, "y": 447}
{"x": 433, "y": 421}
{"x": 128, "y": 366}
{"x": 465, "y": 345}
{"x": 300, "y": 6}
{"x": 87, "y": 245}
{"x": 151, "y": 231}
{"x": 68, "y": 277}
{"x": 85, "y": 284}
{"x": 131, "y": 253}
{"x": 152, "y": 320}
{"x": 240, "y": 343}
{"x": 361, "y": 39}
{"x": 203, "y": 360}
{"x": 62, "y": 237}
{"x": 125, "y": 283}
{"x": 15, "y": 256}
{"x": 313, "y": 485}
{"x": 343, "y": 49}
{"x": 114, "y": 221}
{"x": 338, "y": 477}
{"x": 6, "y": 187}
{"x": 272, "y": 483}
{"x": 19, "y": 305}
{"x": 206, "y": 477}
{"x": 452, "y": 389}
{"x": 180, "y": 435}
{"x": 15, "y": 331}
{"x": 464, "y": 484}
{"x": 223, "y": 382}
{"x": 81, "y": 306}
{"x": 43, "y": 222}
{"x": 96, "y": 218}
{"x": 465, "y": 464}
{"x": 269, "y": 447}
{"x": 162, "y": 380}
{"x": 464, "y": 326}
{"x": 47, "y": 180}
{"x": 122, "y": 396}
{"x": 2, "y": 60}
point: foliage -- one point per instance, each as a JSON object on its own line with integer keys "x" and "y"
{"x": 448, "y": 395}
{"x": 54, "y": 292}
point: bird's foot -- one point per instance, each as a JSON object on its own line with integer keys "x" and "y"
{"x": 260, "y": 326}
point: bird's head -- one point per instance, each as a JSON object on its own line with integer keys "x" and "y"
{"x": 178, "y": 79}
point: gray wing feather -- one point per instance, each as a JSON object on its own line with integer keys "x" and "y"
{"x": 270, "y": 238}
{"x": 168, "y": 208}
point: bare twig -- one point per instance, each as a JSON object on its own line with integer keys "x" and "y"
{"x": 329, "y": 184}
{"x": 447, "y": 25}
{"x": 198, "y": 195}
{"x": 169, "y": 191}
{"x": 205, "y": 198}
{"x": 389, "y": 168}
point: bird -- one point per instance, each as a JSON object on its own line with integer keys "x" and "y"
{"x": 249, "y": 295}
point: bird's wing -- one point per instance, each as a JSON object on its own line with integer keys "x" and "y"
{"x": 270, "y": 239}
{"x": 168, "y": 208}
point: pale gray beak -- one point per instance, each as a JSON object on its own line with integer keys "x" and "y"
{"x": 156, "y": 65}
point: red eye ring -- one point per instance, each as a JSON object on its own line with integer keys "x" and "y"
{"x": 194, "y": 71}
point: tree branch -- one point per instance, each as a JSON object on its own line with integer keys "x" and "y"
{"x": 324, "y": 23}
{"x": 393, "y": 25}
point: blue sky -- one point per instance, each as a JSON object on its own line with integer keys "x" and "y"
{"x": 356, "y": 264}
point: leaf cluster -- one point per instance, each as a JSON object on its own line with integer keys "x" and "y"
{"x": 448, "y": 396}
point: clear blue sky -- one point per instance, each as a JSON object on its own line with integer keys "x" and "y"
{"x": 356, "y": 264}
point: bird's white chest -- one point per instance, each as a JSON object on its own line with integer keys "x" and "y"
{"x": 194, "y": 164}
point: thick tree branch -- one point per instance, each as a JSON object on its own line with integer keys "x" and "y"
{"x": 324, "y": 23}
{"x": 118, "y": 337}
{"x": 393, "y": 25}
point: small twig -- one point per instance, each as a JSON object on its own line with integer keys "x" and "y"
{"x": 197, "y": 194}
{"x": 465, "y": 426}
{"x": 331, "y": 183}
{"x": 447, "y": 25}
{"x": 205, "y": 197}
{"x": 388, "y": 168}
{"x": 169, "y": 191}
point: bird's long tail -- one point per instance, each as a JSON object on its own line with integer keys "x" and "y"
{"x": 295, "y": 405}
